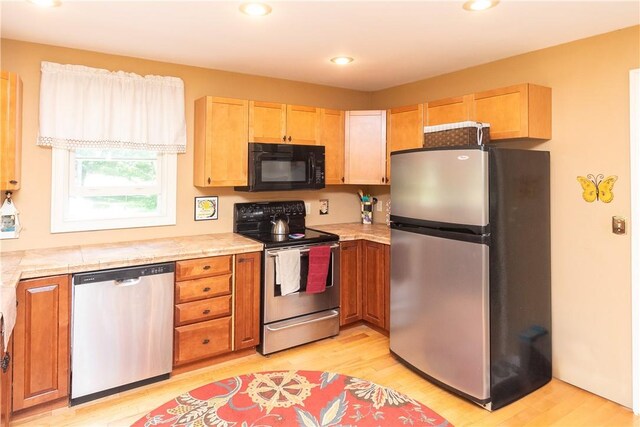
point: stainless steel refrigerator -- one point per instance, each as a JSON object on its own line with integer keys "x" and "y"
{"x": 470, "y": 269}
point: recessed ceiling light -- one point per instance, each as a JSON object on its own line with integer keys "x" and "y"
{"x": 255, "y": 9}
{"x": 45, "y": 3}
{"x": 476, "y": 5}
{"x": 342, "y": 60}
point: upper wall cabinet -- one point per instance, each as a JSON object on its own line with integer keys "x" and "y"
{"x": 11, "y": 130}
{"x": 404, "y": 130}
{"x": 221, "y": 137}
{"x": 365, "y": 147}
{"x": 521, "y": 111}
{"x": 279, "y": 123}
{"x": 450, "y": 110}
{"x": 332, "y": 137}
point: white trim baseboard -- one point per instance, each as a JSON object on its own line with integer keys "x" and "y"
{"x": 634, "y": 142}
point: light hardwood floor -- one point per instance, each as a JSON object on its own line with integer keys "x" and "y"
{"x": 364, "y": 353}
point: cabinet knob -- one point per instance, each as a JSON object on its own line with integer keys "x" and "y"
{"x": 383, "y": 179}
{"x": 207, "y": 289}
{"x": 284, "y": 138}
{"x": 289, "y": 139}
{"x": 205, "y": 341}
{"x": 386, "y": 179}
{"x": 13, "y": 182}
{"x": 209, "y": 180}
{"x": 206, "y": 267}
{"x": 342, "y": 179}
{"x": 207, "y": 311}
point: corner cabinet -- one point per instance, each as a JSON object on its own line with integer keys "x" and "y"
{"x": 10, "y": 130}
{"x": 41, "y": 342}
{"x": 404, "y": 130}
{"x": 521, "y": 111}
{"x": 220, "y": 140}
{"x": 271, "y": 122}
{"x": 247, "y": 300}
{"x": 332, "y": 137}
{"x": 364, "y": 283}
{"x": 365, "y": 147}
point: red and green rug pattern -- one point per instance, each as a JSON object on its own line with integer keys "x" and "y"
{"x": 292, "y": 398}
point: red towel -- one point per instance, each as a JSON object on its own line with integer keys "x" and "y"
{"x": 319, "y": 258}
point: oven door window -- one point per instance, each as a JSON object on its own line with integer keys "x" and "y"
{"x": 277, "y": 170}
{"x": 304, "y": 271}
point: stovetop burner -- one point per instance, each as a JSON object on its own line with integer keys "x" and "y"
{"x": 253, "y": 220}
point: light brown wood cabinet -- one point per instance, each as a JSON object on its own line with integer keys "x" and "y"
{"x": 520, "y": 111}
{"x": 350, "y": 282}
{"x": 450, "y": 110}
{"x": 365, "y": 147}
{"x": 404, "y": 130}
{"x": 364, "y": 283}
{"x": 203, "y": 315}
{"x": 272, "y": 122}
{"x": 10, "y": 130}
{"x": 221, "y": 135}
{"x": 247, "y": 300}
{"x": 332, "y": 137}
{"x": 41, "y": 342}
{"x": 5, "y": 381}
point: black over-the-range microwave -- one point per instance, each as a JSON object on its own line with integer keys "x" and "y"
{"x": 276, "y": 167}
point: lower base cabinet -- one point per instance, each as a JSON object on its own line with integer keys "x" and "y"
{"x": 364, "y": 283}
{"x": 247, "y": 300}
{"x": 201, "y": 340}
{"x": 41, "y": 342}
{"x": 5, "y": 382}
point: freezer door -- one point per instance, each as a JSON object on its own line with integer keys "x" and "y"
{"x": 446, "y": 186}
{"x": 440, "y": 309}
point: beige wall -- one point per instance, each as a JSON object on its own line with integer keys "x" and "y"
{"x": 591, "y": 279}
{"x": 34, "y": 198}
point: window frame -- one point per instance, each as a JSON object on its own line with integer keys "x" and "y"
{"x": 62, "y": 174}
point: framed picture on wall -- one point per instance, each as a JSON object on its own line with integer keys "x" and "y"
{"x": 206, "y": 208}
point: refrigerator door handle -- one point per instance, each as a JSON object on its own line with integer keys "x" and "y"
{"x": 444, "y": 233}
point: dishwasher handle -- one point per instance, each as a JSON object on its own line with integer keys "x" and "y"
{"x": 128, "y": 282}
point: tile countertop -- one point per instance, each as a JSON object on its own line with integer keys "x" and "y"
{"x": 18, "y": 265}
{"x": 354, "y": 231}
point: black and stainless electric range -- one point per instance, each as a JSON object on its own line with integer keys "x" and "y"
{"x": 297, "y": 318}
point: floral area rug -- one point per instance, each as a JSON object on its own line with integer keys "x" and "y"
{"x": 292, "y": 398}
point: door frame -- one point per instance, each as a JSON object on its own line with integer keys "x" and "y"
{"x": 634, "y": 142}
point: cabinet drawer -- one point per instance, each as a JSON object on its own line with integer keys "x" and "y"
{"x": 205, "y": 309}
{"x": 193, "y": 290}
{"x": 203, "y": 267}
{"x": 202, "y": 340}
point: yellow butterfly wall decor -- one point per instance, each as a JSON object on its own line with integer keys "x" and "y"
{"x": 597, "y": 187}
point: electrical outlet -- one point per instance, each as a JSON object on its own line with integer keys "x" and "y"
{"x": 307, "y": 207}
{"x": 378, "y": 207}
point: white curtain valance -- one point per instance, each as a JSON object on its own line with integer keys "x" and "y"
{"x": 84, "y": 107}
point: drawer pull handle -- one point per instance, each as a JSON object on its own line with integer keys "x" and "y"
{"x": 206, "y": 267}
{"x": 205, "y": 341}
{"x": 207, "y": 289}
{"x": 207, "y": 311}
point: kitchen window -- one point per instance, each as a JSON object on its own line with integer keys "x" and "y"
{"x": 114, "y": 137}
{"x": 96, "y": 189}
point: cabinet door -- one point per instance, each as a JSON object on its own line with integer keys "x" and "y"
{"x": 365, "y": 147}
{"x": 374, "y": 272}
{"x": 10, "y": 130}
{"x": 247, "y": 300}
{"x": 350, "y": 282}
{"x": 267, "y": 122}
{"x": 5, "y": 384}
{"x": 332, "y": 137}
{"x": 41, "y": 342}
{"x": 303, "y": 125}
{"x": 521, "y": 111}
{"x": 450, "y": 110}
{"x": 220, "y": 138}
{"x": 404, "y": 130}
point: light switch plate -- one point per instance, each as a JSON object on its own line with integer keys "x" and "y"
{"x": 307, "y": 207}
{"x": 378, "y": 207}
{"x": 618, "y": 225}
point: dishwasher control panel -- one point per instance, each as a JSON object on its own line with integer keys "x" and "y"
{"x": 123, "y": 273}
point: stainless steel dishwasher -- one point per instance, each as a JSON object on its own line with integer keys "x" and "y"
{"x": 122, "y": 329}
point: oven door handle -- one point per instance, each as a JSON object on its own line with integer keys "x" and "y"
{"x": 302, "y": 251}
{"x": 334, "y": 313}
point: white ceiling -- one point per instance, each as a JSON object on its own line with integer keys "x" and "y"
{"x": 393, "y": 42}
